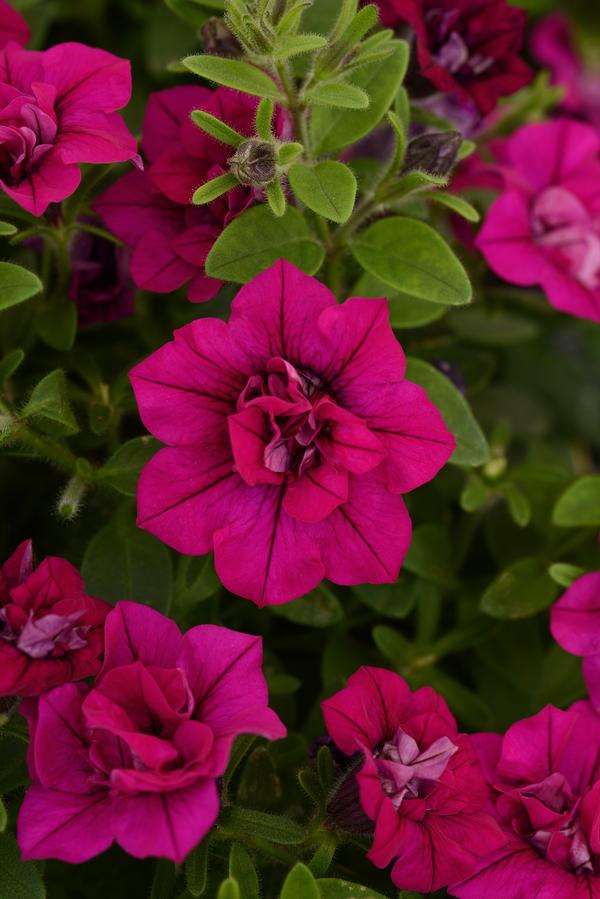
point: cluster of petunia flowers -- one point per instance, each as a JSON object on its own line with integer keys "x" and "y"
{"x": 143, "y": 746}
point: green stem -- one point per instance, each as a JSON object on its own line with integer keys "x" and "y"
{"x": 46, "y": 448}
{"x": 97, "y": 232}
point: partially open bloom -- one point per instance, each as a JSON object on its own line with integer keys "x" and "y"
{"x": 51, "y": 631}
{"x": 152, "y": 211}
{"x": 545, "y": 227}
{"x": 101, "y": 285}
{"x": 13, "y": 26}
{"x": 466, "y": 47}
{"x": 292, "y": 435}
{"x": 58, "y": 109}
{"x": 553, "y": 45}
{"x": 575, "y": 625}
{"x": 141, "y": 751}
{"x": 545, "y": 793}
{"x": 420, "y": 782}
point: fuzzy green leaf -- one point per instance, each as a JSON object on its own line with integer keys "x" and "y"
{"x": 579, "y": 506}
{"x": 329, "y": 189}
{"x": 17, "y": 284}
{"x": 210, "y": 124}
{"x": 233, "y": 73}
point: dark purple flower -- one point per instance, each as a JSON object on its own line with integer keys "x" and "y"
{"x": 100, "y": 282}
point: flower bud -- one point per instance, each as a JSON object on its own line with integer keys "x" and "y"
{"x": 219, "y": 40}
{"x": 434, "y": 153}
{"x": 344, "y": 809}
{"x": 253, "y": 163}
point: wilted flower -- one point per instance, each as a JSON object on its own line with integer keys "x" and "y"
{"x": 292, "y": 435}
{"x": 420, "y": 781}
{"x": 466, "y": 47}
{"x": 140, "y": 753}
{"x": 253, "y": 163}
{"x": 13, "y": 26}
{"x": 59, "y": 110}
{"x": 51, "y": 631}
{"x": 575, "y": 625}
{"x": 151, "y": 211}
{"x": 219, "y": 40}
{"x": 544, "y": 791}
{"x": 553, "y": 45}
{"x": 101, "y": 285}
{"x": 434, "y": 152}
{"x": 545, "y": 227}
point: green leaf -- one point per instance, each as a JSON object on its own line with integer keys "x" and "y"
{"x": 319, "y": 608}
{"x": 276, "y": 199}
{"x": 214, "y": 188}
{"x": 564, "y": 574}
{"x": 256, "y": 240}
{"x": 56, "y": 324}
{"x": 196, "y": 869}
{"x": 190, "y": 11}
{"x": 295, "y": 45}
{"x": 164, "y": 879}
{"x": 210, "y": 124}
{"x": 18, "y": 879}
{"x": 288, "y": 153}
{"x": 7, "y": 229}
{"x": 471, "y": 446}
{"x": 333, "y": 130}
{"x": 241, "y": 869}
{"x": 518, "y": 504}
{"x": 391, "y": 600}
{"x": 328, "y": 188}
{"x": 17, "y": 284}
{"x": 49, "y": 408}
{"x": 522, "y": 590}
{"x": 274, "y": 828}
{"x": 431, "y": 554}
{"x": 201, "y": 580}
{"x": 392, "y": 645}
{"x": 264, "y": 119}
{"x": 123, "y": 468}
{"x": 455, "y": 204}
{"x": 3, "y": 816}
{"x": 411, "y": 257}
{"x": 579, "y": 506}
{"x": 300, "y": 884}
{"x": 241, "y": 76}
{"x": 229, "y": 889}
{"x": 332, "y": 888}
{"x": 124, "y": 562}
{"x": 338, "y": 94}
{"x": 9, "y": 364}
{"x": 405, "y": 311}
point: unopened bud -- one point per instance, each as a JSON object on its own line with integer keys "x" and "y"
{"x": 434, "y": 153}
{"x": 253, "y": 163}
{"x": 344, "y": 809}
{"x": 219, "y": 40}
{"x": 69, "y": 502}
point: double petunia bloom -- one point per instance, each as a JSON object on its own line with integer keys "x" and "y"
{"x": 291, "y": 436}
{"x": 141, "y": 751}
{"x": 51, "y": 631}
{"x": 58, "y": 108}
{"x": 420, "y": 780}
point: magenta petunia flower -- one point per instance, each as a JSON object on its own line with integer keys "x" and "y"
{"x": 59, "y": 110}
{"x": 51, "y": 631}
{"x": 575, "y": 625}
{"x": 291, "y": 436}
{"x": 151, "y": 211}
{"x": 141, "y": 751}
{"x": 13, "y": 26}
{"x": 420, "y": 782}
{"x": 544, "y": 791}
{"x": 545, "y": 227}
{"x": 466, "y": 47}
{"x": 553, "y": 45}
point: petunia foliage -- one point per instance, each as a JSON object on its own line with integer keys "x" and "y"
{"x": 299, "y": 448}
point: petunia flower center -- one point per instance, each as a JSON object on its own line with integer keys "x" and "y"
{"x": 28, "y": 128}
{"x": 48, "y": 636}
{"x": 406, "y": 771}
{"x": 552, "y": 823}
{"x": 450, "y": 47}
{"x": 563, "y": 227}
{"x": 294, "y": 406}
